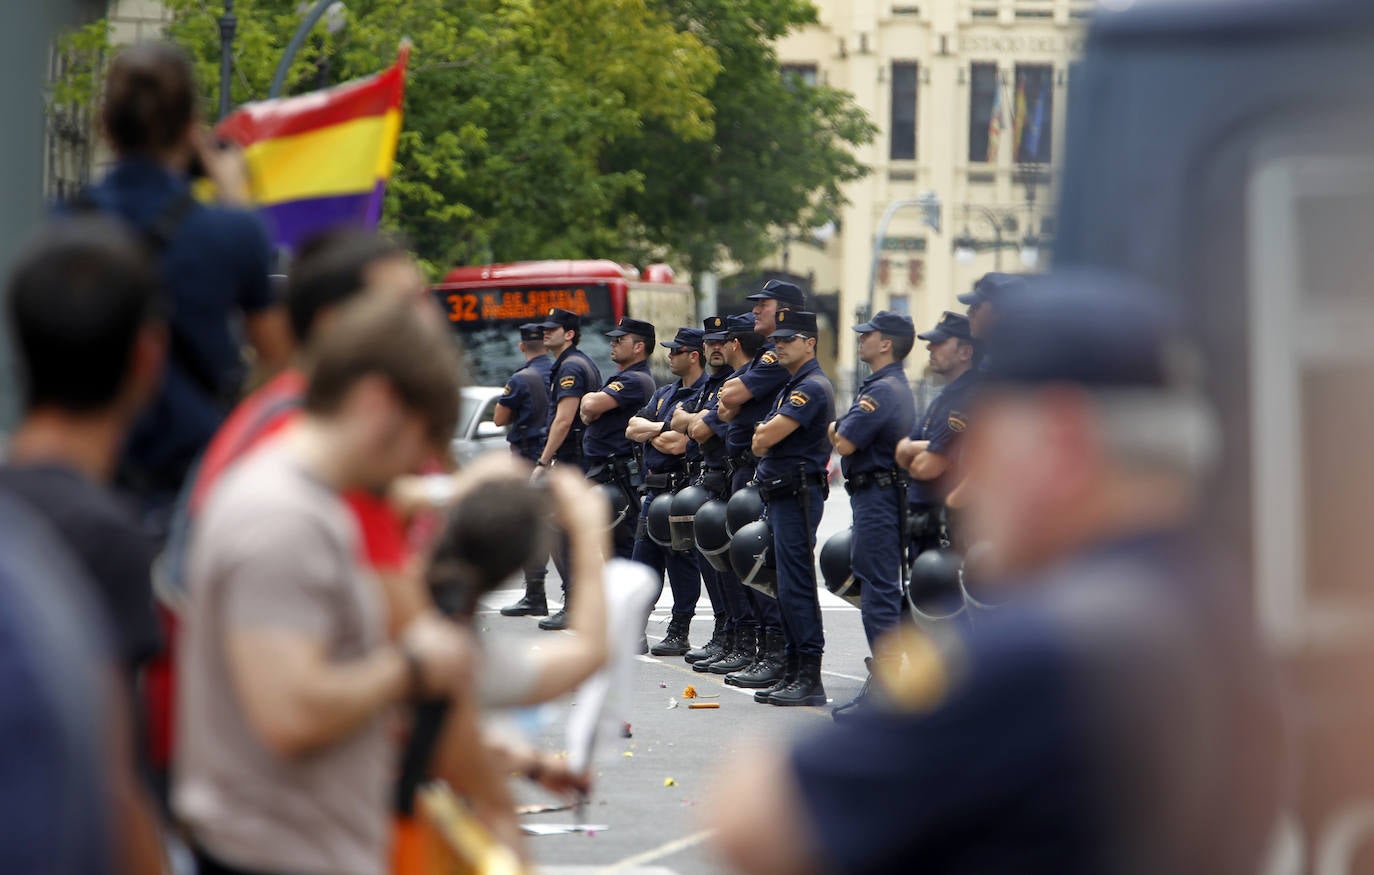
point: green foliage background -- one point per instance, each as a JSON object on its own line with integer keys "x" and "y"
{"x": 624, "y": 129}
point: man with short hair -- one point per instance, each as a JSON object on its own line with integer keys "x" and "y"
{"x": 866, "y": 438}
{"x": 793, "y": 452}
{"x": 931, "y": 454}
{"x": 985, "y": 302}
{"x": 524, "y": 408}
{"x": 758, "y": 660}
{"x": 609, "y": 453}
{"x": 728, "y": 600}
{"x": 293, "y": 772}
{"x": 1116, "y": 713}
{"x": 665, "y": 471}
{"x": 574, "y": 374}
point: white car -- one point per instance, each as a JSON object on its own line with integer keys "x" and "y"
{"x": 477, "y": 432}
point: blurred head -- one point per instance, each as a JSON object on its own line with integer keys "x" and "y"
{"x": 384, "y": 378}
{"x": 1090, "y": 424}
{"x": 149, "y": 104}
{"x": 340, "y": 264}
{"x": 86, "y": 310}
{"x": 490, "y": 534}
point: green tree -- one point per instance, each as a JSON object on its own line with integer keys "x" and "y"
{"x": 781, "y": 152}
{"x": 511, "y": 108}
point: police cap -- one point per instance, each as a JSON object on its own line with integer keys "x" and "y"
{"x": 951, "y": 324}
{"x": 888, "y": 322}
{"x": 626, "y": 325}
{"x": 532, "y": 331}
{"x": 690, "y": 338}
{"x": 785, "y": 293}
{"x": 560, "y": 318}
{"x": 741, "y": 324}
{"x": 792, "y": 323}
{"x": 1093, "y": 329}
{"x": 713, "y": 328}
{"x": 991, "y": 288}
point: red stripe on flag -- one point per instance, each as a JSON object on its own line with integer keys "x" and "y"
{"x": 269, "y": 119}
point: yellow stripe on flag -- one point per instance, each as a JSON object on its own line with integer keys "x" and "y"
{"x": 340, "y": 159}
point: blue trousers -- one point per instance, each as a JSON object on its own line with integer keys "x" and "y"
{"x": 794, "y": 540}
{"x": 683, "y": 577}
{"x": 876, "y": 559}
{"x": 761, "y": 610}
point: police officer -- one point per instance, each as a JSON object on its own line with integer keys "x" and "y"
{"x": 866, "y": 437}
{"x": 1115, "y": 715}
{"x": 793, "y": 450}
{"x": 757, "y": 378}
{"x": 574, "y": 374}
{"x": 931, "y": 453}
{"x": 666, "y": 471}
{"x": 524, "y": 408}
{"x": 985, "y": 302}
{"x": 734, "y": 639}
{"x": 610, "y": 455}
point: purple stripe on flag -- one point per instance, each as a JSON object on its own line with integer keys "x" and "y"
{"x": 292, "y": 222}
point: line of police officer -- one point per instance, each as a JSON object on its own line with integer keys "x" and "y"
{"x": 720, "y": 477}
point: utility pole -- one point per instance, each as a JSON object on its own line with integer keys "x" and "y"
{"x": 228, "y": 26}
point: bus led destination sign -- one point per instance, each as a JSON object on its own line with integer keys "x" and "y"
{"x": 525, "y": 305}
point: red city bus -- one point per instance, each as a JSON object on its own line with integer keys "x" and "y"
{"x": 487, "y": 304}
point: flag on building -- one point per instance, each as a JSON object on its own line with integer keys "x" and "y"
{"x": 1037, "y": 123}
{"x": 322, "y": 159}
{"x": 1019, "y": 121}
{"x": 995, "y": 125}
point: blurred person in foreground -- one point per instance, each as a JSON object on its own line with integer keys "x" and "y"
{"x": 214, "y": 261}
{"x": 287, "y": 681}
{"x": 84, "y": 308}
{"x": 1115, "y": 715}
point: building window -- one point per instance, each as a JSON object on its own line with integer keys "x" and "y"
{"x": 1033, "y": 113}
{"x": 899, "y": 304}
{"x": 903, "y": 134}
{"x": 803, "y": 73}
{"x": 987, "y": 114}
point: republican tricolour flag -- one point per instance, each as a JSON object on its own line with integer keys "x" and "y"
{"x": 322, "y": 159}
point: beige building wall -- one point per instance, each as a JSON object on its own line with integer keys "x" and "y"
{"x": 854, "y": 47}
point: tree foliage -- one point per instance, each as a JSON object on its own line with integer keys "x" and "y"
{"x": 571, "y": 128}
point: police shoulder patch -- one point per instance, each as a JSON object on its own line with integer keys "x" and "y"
{"x": 568, "y": 382}
{"x": 957, "y": 422}
{"x": 506, "y": 390}
{"x": 616, "y": 386}
{"x": 867, "y": 403}
{"x": 798, "y": 398}
{"x": 769, "y": 358}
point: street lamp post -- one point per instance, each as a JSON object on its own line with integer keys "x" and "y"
{"x": 929, "y": 203}
{"x": 297, "y": 40}
{"x": 228, "y": 25}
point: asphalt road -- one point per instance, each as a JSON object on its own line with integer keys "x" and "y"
{"x": 651, "y": 789}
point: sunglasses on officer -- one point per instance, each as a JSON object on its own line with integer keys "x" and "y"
{"x": 791, "y": 338}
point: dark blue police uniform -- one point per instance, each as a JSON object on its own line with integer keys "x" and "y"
{"x": 881, "y": 415}
{"x": 215, "y": 268}
{"x": 573, "y": 375}
{"x": 665, "y": 473}
{"x": 527, "y": 397}
{"x": 798, "y": 463}
{"x": 944, "y": 424}
{"x": 728, "y": 596}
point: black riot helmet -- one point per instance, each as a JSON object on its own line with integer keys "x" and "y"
{"x": 837, "y": 569}
{"x": 934, "y": 593}
{"x": 743, "y": 508}
{"x": 751, "y": 556}
{"x": 713, "y": 534}
{"x": 660, "y": 510}
{"x": 685, "y": 504}
{"x": 973, "y": 578}
{"x": 619, "y": 501}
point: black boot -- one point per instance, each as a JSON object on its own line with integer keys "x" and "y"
{"x": 675, "y": 643}
{"x": 739, "y": 657}
{"x": 534, "y": 604}
{"x": 711, "y": 649}
{"x": 767, "y": 667}
{"x": 841, "y": 713}
{"x": 789, "y": 676}
{"x": 557, "y": 622}
{"x": 806, "y": 689}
